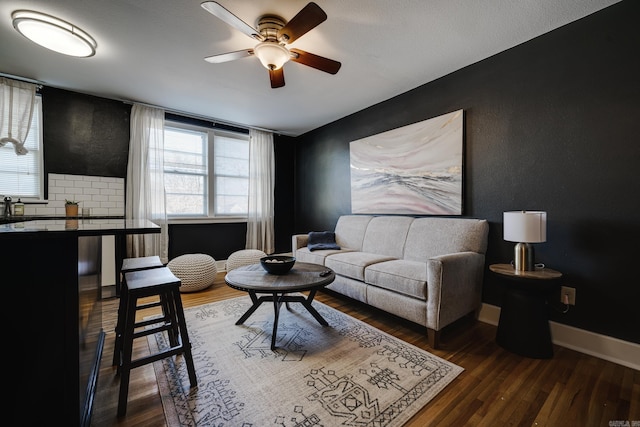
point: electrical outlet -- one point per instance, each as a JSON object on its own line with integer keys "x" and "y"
{"x": 568, "y": 295}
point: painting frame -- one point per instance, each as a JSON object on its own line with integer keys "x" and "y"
{"x": 415, "y": 169}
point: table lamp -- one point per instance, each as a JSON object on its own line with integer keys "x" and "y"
{"x": 525, "y": 227}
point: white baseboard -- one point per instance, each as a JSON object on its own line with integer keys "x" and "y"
{"x": 614, "y": 350}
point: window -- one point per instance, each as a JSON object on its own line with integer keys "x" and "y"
{"x": 206, "y": 171}
{"x": 22, "y": 176}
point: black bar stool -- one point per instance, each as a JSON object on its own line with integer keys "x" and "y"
{"x": 135, "y": 264}
{"x": 140, "y": 263}
{"x": 142, "y": 284}
{"x": 129, "y": 265}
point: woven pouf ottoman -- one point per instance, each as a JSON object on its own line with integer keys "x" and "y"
{"x": 195, "y": 271}
{"x": 244, "y": 257}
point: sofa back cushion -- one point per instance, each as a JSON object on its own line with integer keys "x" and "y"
{"x": 386, "y": 235}
{"x": 429, "y": 237}
{"x": 350, "y": 231}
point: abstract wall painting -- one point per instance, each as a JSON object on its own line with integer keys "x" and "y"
{"x": 412, "y": 170}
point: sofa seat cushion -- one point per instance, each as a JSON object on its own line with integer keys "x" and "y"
{"x": 407, "y": 277}
{"x": 352, "y": 264}
{"x": 317, "y": 256}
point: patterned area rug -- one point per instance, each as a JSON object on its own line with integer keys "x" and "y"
{"x": 346, "y": 374}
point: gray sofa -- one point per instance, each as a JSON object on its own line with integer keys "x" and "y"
{"x": 428, "y": 270}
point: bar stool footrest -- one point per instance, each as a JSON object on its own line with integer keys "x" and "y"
{"x": 149, "y": 305}
{"x": 148, "y": 322}
{"x": 146, "y": 332}
{"x": 173, "y": 351}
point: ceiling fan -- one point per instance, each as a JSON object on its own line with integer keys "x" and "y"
{"x": 274, "y": 33}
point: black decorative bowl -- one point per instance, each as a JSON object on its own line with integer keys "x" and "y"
{"x": 277, "y": 264}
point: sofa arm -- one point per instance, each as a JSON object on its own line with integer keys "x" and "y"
{"x": 454, "y": 287}
{"x": 298, "y": 241}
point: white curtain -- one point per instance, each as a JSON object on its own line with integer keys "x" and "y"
{"x": 16, "y": 110}
{"x": 145, "y": 196}
{"x": 260, "y": 231}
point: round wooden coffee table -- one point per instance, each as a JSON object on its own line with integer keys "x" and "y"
{"x": 302, "y": 277}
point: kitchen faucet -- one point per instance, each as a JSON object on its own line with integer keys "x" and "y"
{"x": 7, "y": 206}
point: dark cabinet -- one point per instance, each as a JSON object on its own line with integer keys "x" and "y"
{"x": 52, "y": 316}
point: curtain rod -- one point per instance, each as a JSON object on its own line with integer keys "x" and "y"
{"x": 200, "y": 117}
{"x": 38, "y": 83}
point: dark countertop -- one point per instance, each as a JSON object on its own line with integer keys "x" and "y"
{"x": 20, "y": 218}
{"x": 93, "y": 226}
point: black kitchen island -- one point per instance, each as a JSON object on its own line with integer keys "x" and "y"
{"x": 51, "y": 272}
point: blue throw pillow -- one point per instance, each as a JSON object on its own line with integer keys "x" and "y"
{"x": 322, "y": 240}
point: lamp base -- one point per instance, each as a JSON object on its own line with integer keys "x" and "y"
{"x": 523, "y": 257}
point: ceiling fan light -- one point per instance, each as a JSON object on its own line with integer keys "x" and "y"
{"x": 53, "y": 33}
{"x": 272, "y": 55}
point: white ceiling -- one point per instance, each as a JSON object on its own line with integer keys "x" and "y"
{"x": 151, "y": 51}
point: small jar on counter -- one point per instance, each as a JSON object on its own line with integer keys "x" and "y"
{"x": 18, "y": 208}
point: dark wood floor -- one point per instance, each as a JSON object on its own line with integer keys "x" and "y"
{"x": 497, "y": 388}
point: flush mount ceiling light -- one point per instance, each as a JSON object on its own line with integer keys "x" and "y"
{"x": 53, "y": 33}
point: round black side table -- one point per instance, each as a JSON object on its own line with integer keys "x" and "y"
{"x": 524, "y": 322}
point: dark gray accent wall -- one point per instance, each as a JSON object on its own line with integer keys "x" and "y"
{"x": 552, "y": 124}
{"x": 218, "y": 240}
{"x": 84, "y": 134}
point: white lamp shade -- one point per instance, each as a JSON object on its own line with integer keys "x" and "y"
{"x": 525, "y": 226}
{"x": 272, "y": 55}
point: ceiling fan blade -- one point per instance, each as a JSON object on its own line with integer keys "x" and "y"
{"x": 318, "y": 62}
{"x": 230, "y": 56}
{"x": 277, "y": 78}
{"x": 309, "y": 17}
{"x": 217, "y": 10}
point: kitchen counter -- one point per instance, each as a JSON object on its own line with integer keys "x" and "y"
{"x": 77, "y": 226}
{"x": 51, "y": 272}
{"x": 23, "y": 218}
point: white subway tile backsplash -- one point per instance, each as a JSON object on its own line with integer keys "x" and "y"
{"x": 104, "y": 195}
{"x": 39, "y": 210}
{"x": 97, "y": 184}
{"x": 82, "y": 184}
